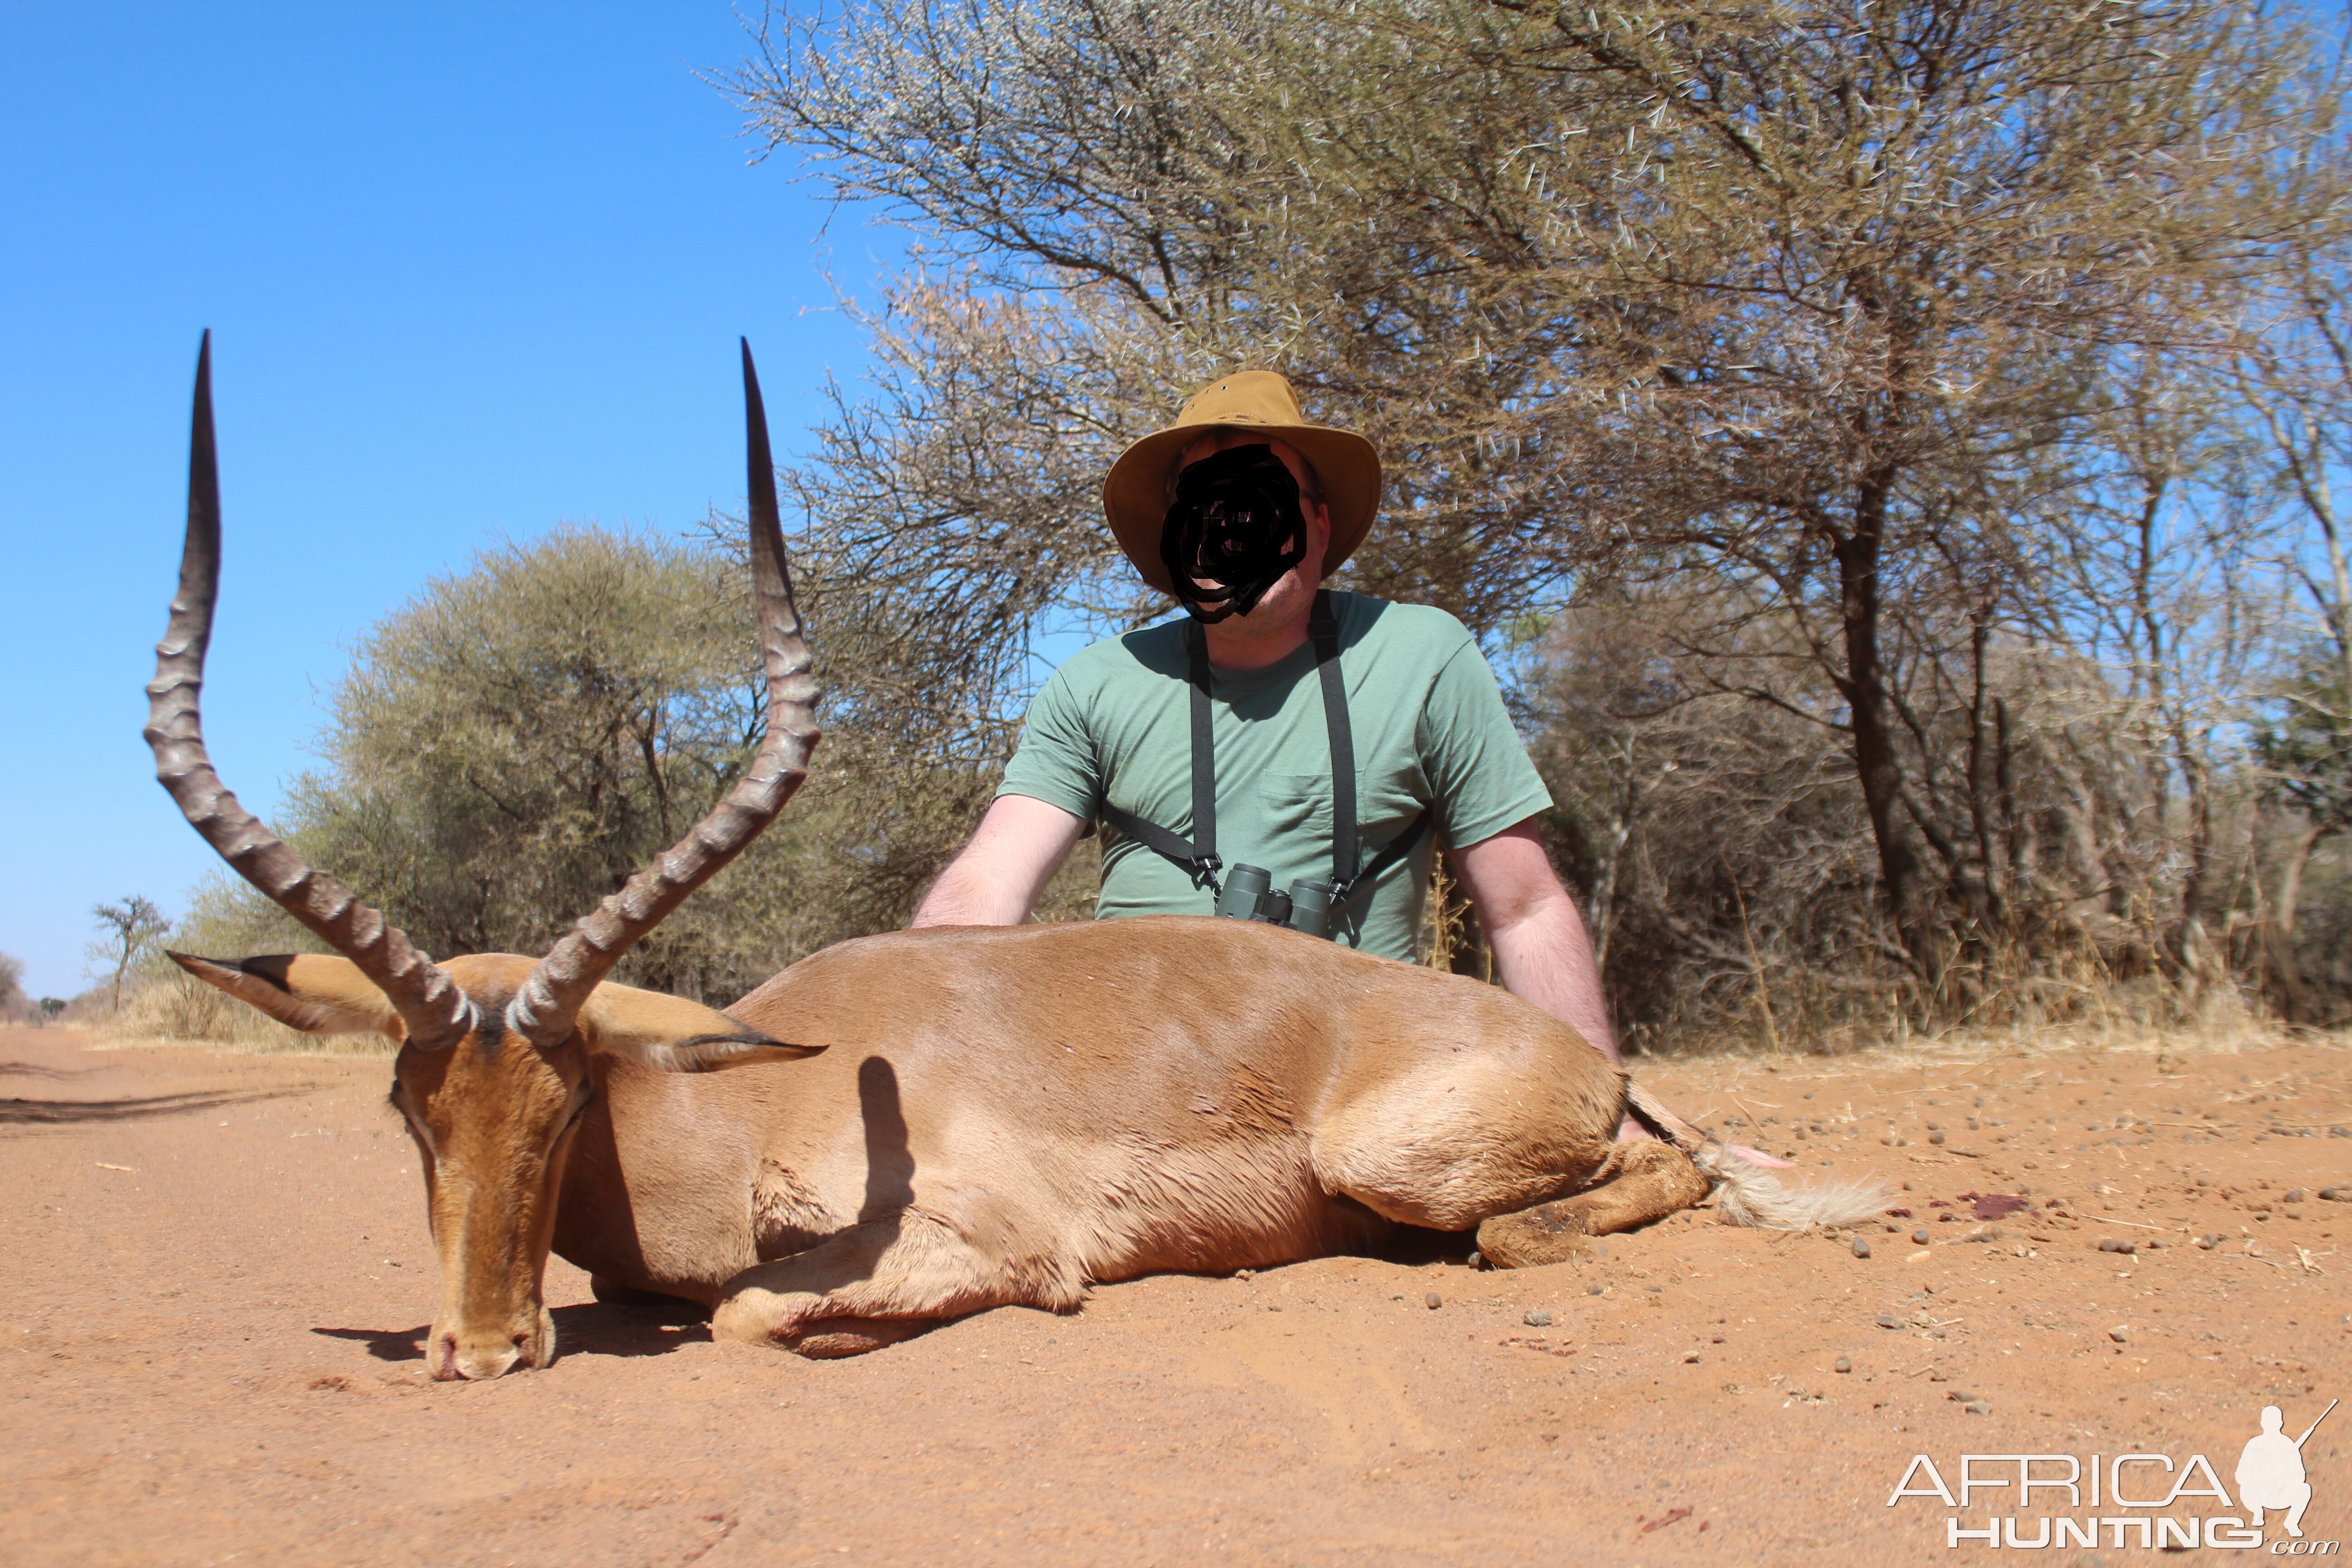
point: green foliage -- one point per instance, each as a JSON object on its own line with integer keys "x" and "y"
{"x": 2306, "y": 744}
{"x": 515, "y": 743}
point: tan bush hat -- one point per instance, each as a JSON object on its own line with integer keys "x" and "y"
{"x": 1134, "y": 496}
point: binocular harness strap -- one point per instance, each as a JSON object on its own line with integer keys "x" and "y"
{"x": 1199, "y": 855}
{"x": 1324, "y": 628}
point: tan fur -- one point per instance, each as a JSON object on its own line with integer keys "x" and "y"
{"x": 1645, "y": 1182}
{"x": 997, "y": 1116}
{"x": 305, "y": 991}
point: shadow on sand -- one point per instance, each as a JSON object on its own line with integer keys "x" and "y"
{"x": 590, "y": 1328}
{"x": 73, "y": 1112}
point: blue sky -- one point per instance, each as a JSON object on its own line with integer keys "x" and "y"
{"x": 471, "y": 270}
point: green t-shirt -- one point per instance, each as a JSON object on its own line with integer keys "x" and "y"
{"x": 1429, "y": 727}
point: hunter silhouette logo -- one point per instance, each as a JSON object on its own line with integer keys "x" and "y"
{"x": 2270, "y": 1473}
{"x": 2123, "y": 1502}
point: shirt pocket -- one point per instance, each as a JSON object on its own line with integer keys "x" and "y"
{"x": 1292, "y": 808}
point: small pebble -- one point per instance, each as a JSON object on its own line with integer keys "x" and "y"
{"x": 1887, "y": 1321}
{"x": 1843, "y": 1363}
{"x": 2333, "y": 1195}
{"x": 2116, "y": 1336}
{"x": 1936, "y": 1138}
{"x": 1861, "y": 1248}
{"x": 2209, "y": 1242}
{"x": 2295, "y": 1197}
{"x": 1434, "y": 1301}
{"x": 1918, "y": 1238}
{"x": 1536, "y": 1317}
{"x": 1978, "y": 1407}
{"x": 1596, "y": 1290}
{"x": 1690, "y": 1358}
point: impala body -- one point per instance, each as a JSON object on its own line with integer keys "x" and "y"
{"x": 1009, "y": 1115}
{"x": 924, "y": 1125}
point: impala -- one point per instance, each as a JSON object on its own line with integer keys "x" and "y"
{"x": 924, "y": 1125}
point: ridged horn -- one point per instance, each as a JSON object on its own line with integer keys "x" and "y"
{"x": 543, "y": 1011}
{"x": 433, "y": 1009}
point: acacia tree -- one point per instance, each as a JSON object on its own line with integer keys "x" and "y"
{"x": 1831, "y": 306}
{"x": 14, "y": 1003}
{"x": 508, "y": 748}
{"x": 2294, "y": 376}
{"x": 129, "y": 931}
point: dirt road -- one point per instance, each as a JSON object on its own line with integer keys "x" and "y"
{"x": 214, "y": 1278}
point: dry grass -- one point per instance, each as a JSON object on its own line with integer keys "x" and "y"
{"x": 182, "y": 1010}
{"x": 1969, "y": 1049}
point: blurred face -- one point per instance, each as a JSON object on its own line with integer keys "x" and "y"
{"x": 1294, "y": 592}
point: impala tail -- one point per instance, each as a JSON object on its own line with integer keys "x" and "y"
{"x": 1747, "y": 1195}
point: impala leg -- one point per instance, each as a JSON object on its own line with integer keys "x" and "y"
{"x": 875, "y": 1284}
{"x": 1641, "y": 1182}
{"x": 612, "y": 1293}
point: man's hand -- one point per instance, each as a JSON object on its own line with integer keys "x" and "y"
{"x": 996, "y": 879}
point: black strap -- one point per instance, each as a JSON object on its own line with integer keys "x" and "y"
{"x": 1346, "y": 875}
{"x": 1204, "y": 755}
{"x": 1402, "y": 845}
{"x": 1324, "y": 628}
{"x": 1198, "y": 855}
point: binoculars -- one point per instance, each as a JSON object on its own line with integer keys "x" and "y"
{"x": 1248, "y": 895}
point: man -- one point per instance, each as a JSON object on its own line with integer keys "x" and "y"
{"x": 2270, "y": 1473}
{"x": 1201, "y": 508}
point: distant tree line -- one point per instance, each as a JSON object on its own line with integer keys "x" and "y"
{"x": 1889, "y": 451}
{"x": 1892, "y": 444}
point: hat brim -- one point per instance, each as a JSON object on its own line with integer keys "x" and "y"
{"x": 1134, "y": 495}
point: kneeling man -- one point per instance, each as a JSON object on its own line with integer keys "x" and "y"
{"x": 1328, "y": 738}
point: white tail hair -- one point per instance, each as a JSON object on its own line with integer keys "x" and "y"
{"x": 1746, "y": 1195}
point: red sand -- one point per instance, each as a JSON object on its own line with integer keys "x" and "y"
{"x": 213, "y": 1353}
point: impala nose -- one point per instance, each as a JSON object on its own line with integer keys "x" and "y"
{"x": 476, "y": 1359}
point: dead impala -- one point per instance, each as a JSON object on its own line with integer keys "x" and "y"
{"x": 982, "y": 1116}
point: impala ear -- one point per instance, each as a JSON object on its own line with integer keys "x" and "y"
{"x": 673, "y": 1034}
{"x": 312, "y": 991}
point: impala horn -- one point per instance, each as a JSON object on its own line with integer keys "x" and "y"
{"x": 544, "y": 1009}
{"x": 430, "y": 1005}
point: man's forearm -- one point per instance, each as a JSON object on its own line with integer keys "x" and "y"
{"x": 996, "y": 879}
{"x": 1544, "y": 958}
{"x": 966, "y": 895}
